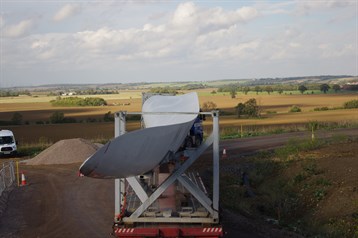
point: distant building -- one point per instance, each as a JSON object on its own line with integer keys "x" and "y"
{"x": 351, "y": 86}
{"x": 68, "y": 94}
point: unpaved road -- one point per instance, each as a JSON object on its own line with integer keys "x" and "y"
{"x": 58, "y": 203}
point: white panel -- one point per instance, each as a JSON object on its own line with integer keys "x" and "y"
{"x": 187, "y": 103}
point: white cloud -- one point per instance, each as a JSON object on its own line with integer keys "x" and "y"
{"x": 20, "y": 29}
{"x": 39, "y": 44}
{"x": 189, "y": 16}
{"x": 66, "y": 11}
{"x": 332, "y": 51}
{"x": 46, "y": 49}
{"x": 188, "y": 26}
{"x": 185, "y": 14}
{"x": 247, "y": 13}
{"x": 243, "y": 51}
{"x": 306, "y": 7}
{"x": 188, "y": 34}
{"x": 192, "y": 34}
{"x": 274, "y": 8}
{"x": 2, "y": 22}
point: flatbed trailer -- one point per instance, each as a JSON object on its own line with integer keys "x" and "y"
{"x": 168, "y": 232}
{"x": 170, "y": 201}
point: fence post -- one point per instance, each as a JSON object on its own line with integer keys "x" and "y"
{"x": 1, "y": 189}
{"x": 12, "y": 171}
{"x": 17, "y": 173}
{"x": 3, "y": 175}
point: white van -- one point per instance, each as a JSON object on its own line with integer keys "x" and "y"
{"x": 7, "y": 143}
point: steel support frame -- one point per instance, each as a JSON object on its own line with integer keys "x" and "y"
{"x": 119, "y": 184}
{"x": 211, "y": 205}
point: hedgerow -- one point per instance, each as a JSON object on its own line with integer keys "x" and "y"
{"x": 76, "y": 101}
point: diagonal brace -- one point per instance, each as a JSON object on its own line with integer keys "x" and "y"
{"x": 171, "y": 179}
{"x": 197, "y": 193}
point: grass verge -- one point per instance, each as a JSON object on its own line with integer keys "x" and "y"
{"x": 297, "y": 187}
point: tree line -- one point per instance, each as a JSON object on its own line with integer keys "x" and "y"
{"x": 9, "y": 93}
{"x": 56, "y": 118}
{"x": 76, "y": 101}
{"x": 234, "y": 88}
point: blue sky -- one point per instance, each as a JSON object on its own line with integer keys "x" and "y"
{"x": 51, "y": 42}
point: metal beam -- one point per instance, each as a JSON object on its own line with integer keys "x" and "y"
{"x": 216, "y": 169}
{"x": 196, "y": 192}
{"x": 137, "y": 188}
{"x": 119, "y": 186}
{"x": 174, "y": 176}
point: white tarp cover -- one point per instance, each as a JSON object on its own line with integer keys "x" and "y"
{"x": 140, "y": 151}
{"x": 185, "y": 103}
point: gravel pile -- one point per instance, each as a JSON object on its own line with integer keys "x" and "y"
{"x": 65, "y": 152}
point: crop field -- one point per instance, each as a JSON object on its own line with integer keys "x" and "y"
{"x": 37, "y": 109}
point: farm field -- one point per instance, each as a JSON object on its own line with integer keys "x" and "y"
{"x": 36, "y": 111}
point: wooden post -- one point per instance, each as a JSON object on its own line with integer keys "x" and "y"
{"x": 17, "y": 173}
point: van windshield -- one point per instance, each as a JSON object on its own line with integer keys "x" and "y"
{"x": 6, "y": 140}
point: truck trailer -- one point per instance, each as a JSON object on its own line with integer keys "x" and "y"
{"x": 157, "y": 194}
{"x": 171, "y": 200}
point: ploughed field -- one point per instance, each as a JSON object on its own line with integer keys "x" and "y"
{"x": 36, "y": 111}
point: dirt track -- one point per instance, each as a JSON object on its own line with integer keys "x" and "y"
{"x": 58, "y": 203}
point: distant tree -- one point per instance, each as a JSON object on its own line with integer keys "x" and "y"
{"x": 336, "y": 87}
{"x": 108, "y": 117}
{"x": 76, "y": 101}
{"x": 295, "y": 109}
{"x": 302, "y": 88}
{"x": 233, "y": 93}
{"x": 246, "y": 90}
{"x": 324, "y": 87}
{"x": 351, "y": 104}
{"x": 249, "y": 108}
{"x": 192, "y": 86}
{"x": 24, "y": 92}
{"x": 280, "y": 90}
{"x": 208, "y": 106}
{"x": 257, "y": 89}
{"x": 16, "y": 119}
{"x": 240, "y": 109}
{"x": 213, "y": 92}
{"x": 164, "y": 90}
{"x": 57, "y": 117}
{"x": 268, "y": 89}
